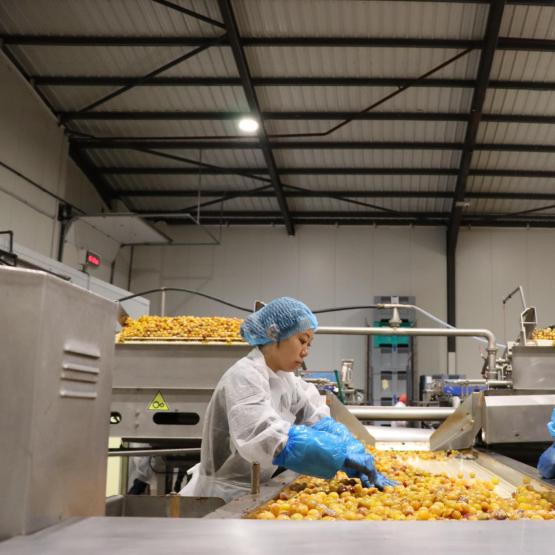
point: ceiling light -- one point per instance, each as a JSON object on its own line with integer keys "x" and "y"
{"x": 248, "y": 125}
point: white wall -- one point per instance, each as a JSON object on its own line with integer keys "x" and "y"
{"x": 32, "y": 143}
{"x": 328, "y": 266}
{"x": 323, "y": 266}
{"x": 491, "y": 263}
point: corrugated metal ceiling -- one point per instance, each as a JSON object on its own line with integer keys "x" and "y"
{"x": 303, "y": 18}
{"x": 164, "y": 128}
{"x": 529, "y": 21}
{"x": 368, "y": 158}
{"x": 106, "y": 17}
{"x": 183, "y": 182}
{"x": 125, "y": 61}
{"x": 352, "y": 18}
{"x": 414, "y": 183}
{"x": 514, "y": 160}
{"x": 373, "y": 205}
{"x": 225, "y": 158}
{"x": 354, "y": 99}
{"x": 230, "y": 99}
{"x": 526, "y": 185}
{"x": 329, "y": 61}
{"x": 523, "y": 133}
{"x": 442, "y": 131}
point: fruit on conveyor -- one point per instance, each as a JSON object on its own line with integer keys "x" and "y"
{"x": 544, "y": 333}
{"x": 184, "y": 328}
{"x": 420, "y": 495}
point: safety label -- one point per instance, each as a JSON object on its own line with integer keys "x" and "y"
{"x": 158, "y": 403}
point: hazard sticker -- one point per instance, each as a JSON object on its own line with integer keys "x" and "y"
{"x": 158, "y": 403}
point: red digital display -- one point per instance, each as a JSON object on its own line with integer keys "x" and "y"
{"x": 93, "y": 259}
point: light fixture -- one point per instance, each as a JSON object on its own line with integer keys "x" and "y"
{"x": 248, "y": 125}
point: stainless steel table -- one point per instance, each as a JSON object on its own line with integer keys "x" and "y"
{"x": 145, "y": 536}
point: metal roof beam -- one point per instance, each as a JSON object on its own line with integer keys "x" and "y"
{"x": 357, "y": 221}
{"x": 505, "y": 43}
{"x": 302, "y": 116}
{"x": 201, "y": 115}
{"x": 385, "y": 217}
{"x": 495, "y": 15}
{"x": 177, "y": 144}
{"x": 134, "y": 170}
{"x": 256, "y": 214}
{"x": 235, "y": 41}
{"x": 172, "y": 81}
{"x": 207, "y": 192}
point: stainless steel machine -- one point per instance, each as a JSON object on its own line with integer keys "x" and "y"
{"x": 518, "y": 398}
{"x": 510, "y": 412}
{"x": 224, "y": 530}
{"x": 161, "y": 390}
{"x": 55, "y": 384}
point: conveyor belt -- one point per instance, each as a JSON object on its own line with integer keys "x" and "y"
{"x": 485, "y": 465}
{"x": 235, "y": 536}
{"x": 466, "y": 467}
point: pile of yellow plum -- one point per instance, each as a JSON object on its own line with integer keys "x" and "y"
{"x": 420, "y": 495}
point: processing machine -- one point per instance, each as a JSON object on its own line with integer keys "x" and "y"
{"x": 512, "y": 408}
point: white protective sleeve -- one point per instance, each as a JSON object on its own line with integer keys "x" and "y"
{"x": 256, "y": 429}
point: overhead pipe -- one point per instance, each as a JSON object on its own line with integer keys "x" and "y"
{"x": 429, "y": 332}
{"x": 369, "y": 412}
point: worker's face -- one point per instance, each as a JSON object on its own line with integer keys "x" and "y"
{"x": 290, "y": 353}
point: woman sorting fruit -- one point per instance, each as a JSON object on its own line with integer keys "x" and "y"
{"x": 261, "y": 412}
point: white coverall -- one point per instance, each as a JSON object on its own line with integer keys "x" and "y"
{"x": 399, "y": 423}
{"x": 248, "y": 420}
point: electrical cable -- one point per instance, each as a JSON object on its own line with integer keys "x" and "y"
{"x": 182, "y": 289}
{"x": 227, "y": 303}
{"x": 317, "y": 311}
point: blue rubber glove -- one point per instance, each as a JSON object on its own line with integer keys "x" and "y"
{"x": 364, "y": 469}
{"x": 328, "y": 424}
{"x": 546, "y": 464}
{"x": 312, "y": 452}
{"x": 357, "y": 460}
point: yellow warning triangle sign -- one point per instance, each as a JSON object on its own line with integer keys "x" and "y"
{"x": 158, "y": 403}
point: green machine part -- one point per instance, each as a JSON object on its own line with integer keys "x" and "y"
{"x": 391, "y": 340}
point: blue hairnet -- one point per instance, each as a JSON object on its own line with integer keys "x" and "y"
{"x": 278, "y": 320}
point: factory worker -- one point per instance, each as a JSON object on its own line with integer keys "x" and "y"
{"x": 261, "y": 412}
{"x": 546, "y": 464}
{"x": 402, "y": 402}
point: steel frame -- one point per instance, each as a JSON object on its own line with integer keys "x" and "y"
{"x": 185, "y": 81}
{"x": 208, "y": 192}
{"x": 176, "y": 143}
{"x": 332, "y": 170}
{"x": 238, "y": 44}
{"x": 250, "y": 93}
{"x": 491, "y": 40}
{"x": 301, "y": 116}
{"x": 505, "y": 43}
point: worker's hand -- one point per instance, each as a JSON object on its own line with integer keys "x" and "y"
{"x": 363, "y": 466}
{"x": 312, "y": 452}
{"x": 546, "y": 464}
{"x": 382, "y": 481}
